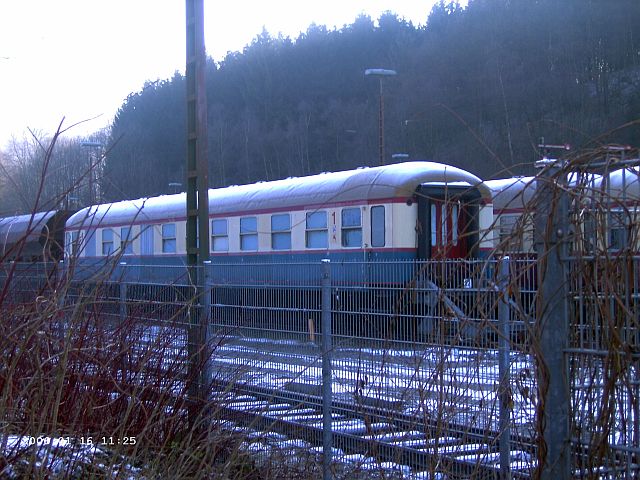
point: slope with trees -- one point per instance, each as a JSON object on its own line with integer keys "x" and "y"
{"x": 476, "y": 88}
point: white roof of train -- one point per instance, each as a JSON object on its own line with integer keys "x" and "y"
{"x": 508, "y": 193}
{"x": 375, "y": 183}
{"x": 621, "y": 184}
{"x": 23, "y": 227}
{"x": 618, "y": 186}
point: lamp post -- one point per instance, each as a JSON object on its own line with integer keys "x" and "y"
{"x": 400, "y": 157}
{"x": 68, "y": 199}
{"x": 380, "y": 73}
{"x": 92, "y": 165}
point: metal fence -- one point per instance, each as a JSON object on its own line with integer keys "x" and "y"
{"x": 441, "y": 358}
{"x": 23, "y": 282}
{"x": 604, "y": 364}
{"x": 420, "y": 339}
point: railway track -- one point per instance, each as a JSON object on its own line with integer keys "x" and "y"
{"x": 270, "y": 388}
{"x": 369, "y": 436}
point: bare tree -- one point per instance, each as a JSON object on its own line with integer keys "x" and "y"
{"x": 40, "y": 172}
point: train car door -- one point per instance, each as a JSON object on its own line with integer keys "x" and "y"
{"x": 447, "y": 223}
{"x": 447, "y": 220}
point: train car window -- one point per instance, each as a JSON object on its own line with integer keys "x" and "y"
{"x": 219, "y": 235}
{"x": 249, "y": 233}
{"x": 351, "y": 227}
{"x": 126, "y": 242}
{"x": 90, "y": 243}
{"x": 454, "y": 224}
{"x": 169, "y": 238}
{"x": 510, "y": 237}
{"x": 377, "y": 226}
{"x": 72, "y": 243}
{"x": 316, "y": 234}
{"x": 444, "y": 221}
{"x": 434, "y": 225}
{"x": 107, "y": 241}
{"x": 78, "y": 244}
{"x": 281, "y": 232}
{"x": 507, "y": 227}
{"x": 618, "y": 230}
{"x": 146, "y": 240}
{"x": 588, "y": 231}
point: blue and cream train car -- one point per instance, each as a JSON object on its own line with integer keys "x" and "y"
{"x": 604, "y": 211}
{"x": 413, "y": 210}
{"x": 512, "y": 221}
{"x": 614, "y": 200}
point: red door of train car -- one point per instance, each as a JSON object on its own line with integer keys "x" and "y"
{"x": 448, "y": 225}
{"x": 447, "y": 222}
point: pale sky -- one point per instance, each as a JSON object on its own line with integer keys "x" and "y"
{"x": 79, "y": 59}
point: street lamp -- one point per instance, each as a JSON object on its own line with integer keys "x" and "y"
{"x": 70, "y": 201}
{"x": 401, "y": 157}
{"x": 92, "y": 165}
{"x": 380, "y": 73}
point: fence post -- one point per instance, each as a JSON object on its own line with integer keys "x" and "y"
{"x": 504, "y": 389}
{"x": 123, "y": 291}
{"x": 205, "y": 329}
{"x": 198, "y": 343}
{"x": 61, "y": 290}
{"x": 550, "y": 343}
{"x": 327, "y": 434}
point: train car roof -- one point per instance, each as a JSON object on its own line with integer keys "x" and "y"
{"x": 315, "y": 191}
{"x": 511, "y": 193}
{"x": 621, "y": 185}
{"x": 28, "y": 227}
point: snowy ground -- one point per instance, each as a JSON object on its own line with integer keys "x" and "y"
{"x": 454, "y": 384}
{"x": 46, "y": 457}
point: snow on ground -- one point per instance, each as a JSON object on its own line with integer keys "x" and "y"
{"x": 460, "y": 382}
{"x": 47, "y": 457}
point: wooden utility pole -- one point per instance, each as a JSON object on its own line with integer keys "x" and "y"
{"x": 197, "y": 195}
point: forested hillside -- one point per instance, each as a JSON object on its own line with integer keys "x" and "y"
{"x": 476, "y": 88}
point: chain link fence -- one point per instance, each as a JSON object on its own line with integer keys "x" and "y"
{"x": 418, "y": 343}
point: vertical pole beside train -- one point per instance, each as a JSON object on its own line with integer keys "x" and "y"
{"x": 504, "y": 389}
{"x": 380, "y": 73}
{"x": 206, "y": 373}
{"x": 552, "y": 330}
{"x": 327, "y": 434}
{"x": 62, "y": 286}
{"x": 122, "y": 283}
{"x": 197, "y": 196}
